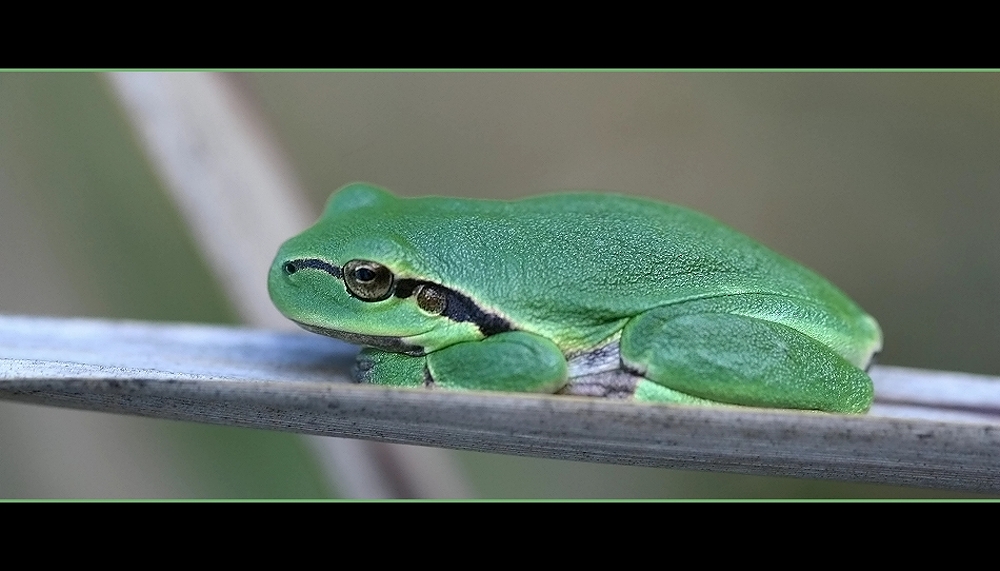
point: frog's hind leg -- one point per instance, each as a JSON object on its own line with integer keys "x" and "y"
{"x": 697, "y": 353}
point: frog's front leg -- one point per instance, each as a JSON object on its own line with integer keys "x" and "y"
{"x": 394, "y": 369}
{"x": 511, "y": 361}
{"x": 701, "y": 353}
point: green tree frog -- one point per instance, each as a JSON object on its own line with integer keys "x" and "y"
{"x": 583, "y": 293}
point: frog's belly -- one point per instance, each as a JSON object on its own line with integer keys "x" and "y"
{"x": 599, "y": 373}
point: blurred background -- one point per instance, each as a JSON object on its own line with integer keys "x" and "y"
{"x": 886, "y": 183}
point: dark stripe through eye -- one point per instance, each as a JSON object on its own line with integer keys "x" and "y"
{"x": 292, "y": 266}
{"x": 457, "y": 307}
{"x": 452, "y": 304}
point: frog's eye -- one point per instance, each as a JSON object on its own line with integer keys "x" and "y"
{"x": 368, "y": 281}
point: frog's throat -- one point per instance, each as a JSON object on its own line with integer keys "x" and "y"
{"x": 384, "y": 342}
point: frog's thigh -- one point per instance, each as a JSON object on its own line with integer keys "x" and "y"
{"x": 738, "y": 359}
{"x": 394, "y": 369}
{"x": 511, "y": 361}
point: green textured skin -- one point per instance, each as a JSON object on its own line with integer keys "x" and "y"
{"x": 574, "y": 271}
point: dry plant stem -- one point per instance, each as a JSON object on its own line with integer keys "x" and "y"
{"x": 928, "y": 428}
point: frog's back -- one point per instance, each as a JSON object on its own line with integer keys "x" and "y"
{"x": 584, "y": 263}
{"x": 629, "y": 253}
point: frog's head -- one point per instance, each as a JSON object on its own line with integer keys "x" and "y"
{"x": 356, "y": 275}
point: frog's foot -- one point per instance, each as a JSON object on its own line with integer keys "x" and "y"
{"x": 705, "y": 357}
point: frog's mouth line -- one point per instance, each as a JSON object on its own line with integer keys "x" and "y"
{"x": 384, "y": 342}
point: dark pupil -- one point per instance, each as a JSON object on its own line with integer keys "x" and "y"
{"x": 290, "y": 268}
{"x": 364, "y": 274}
